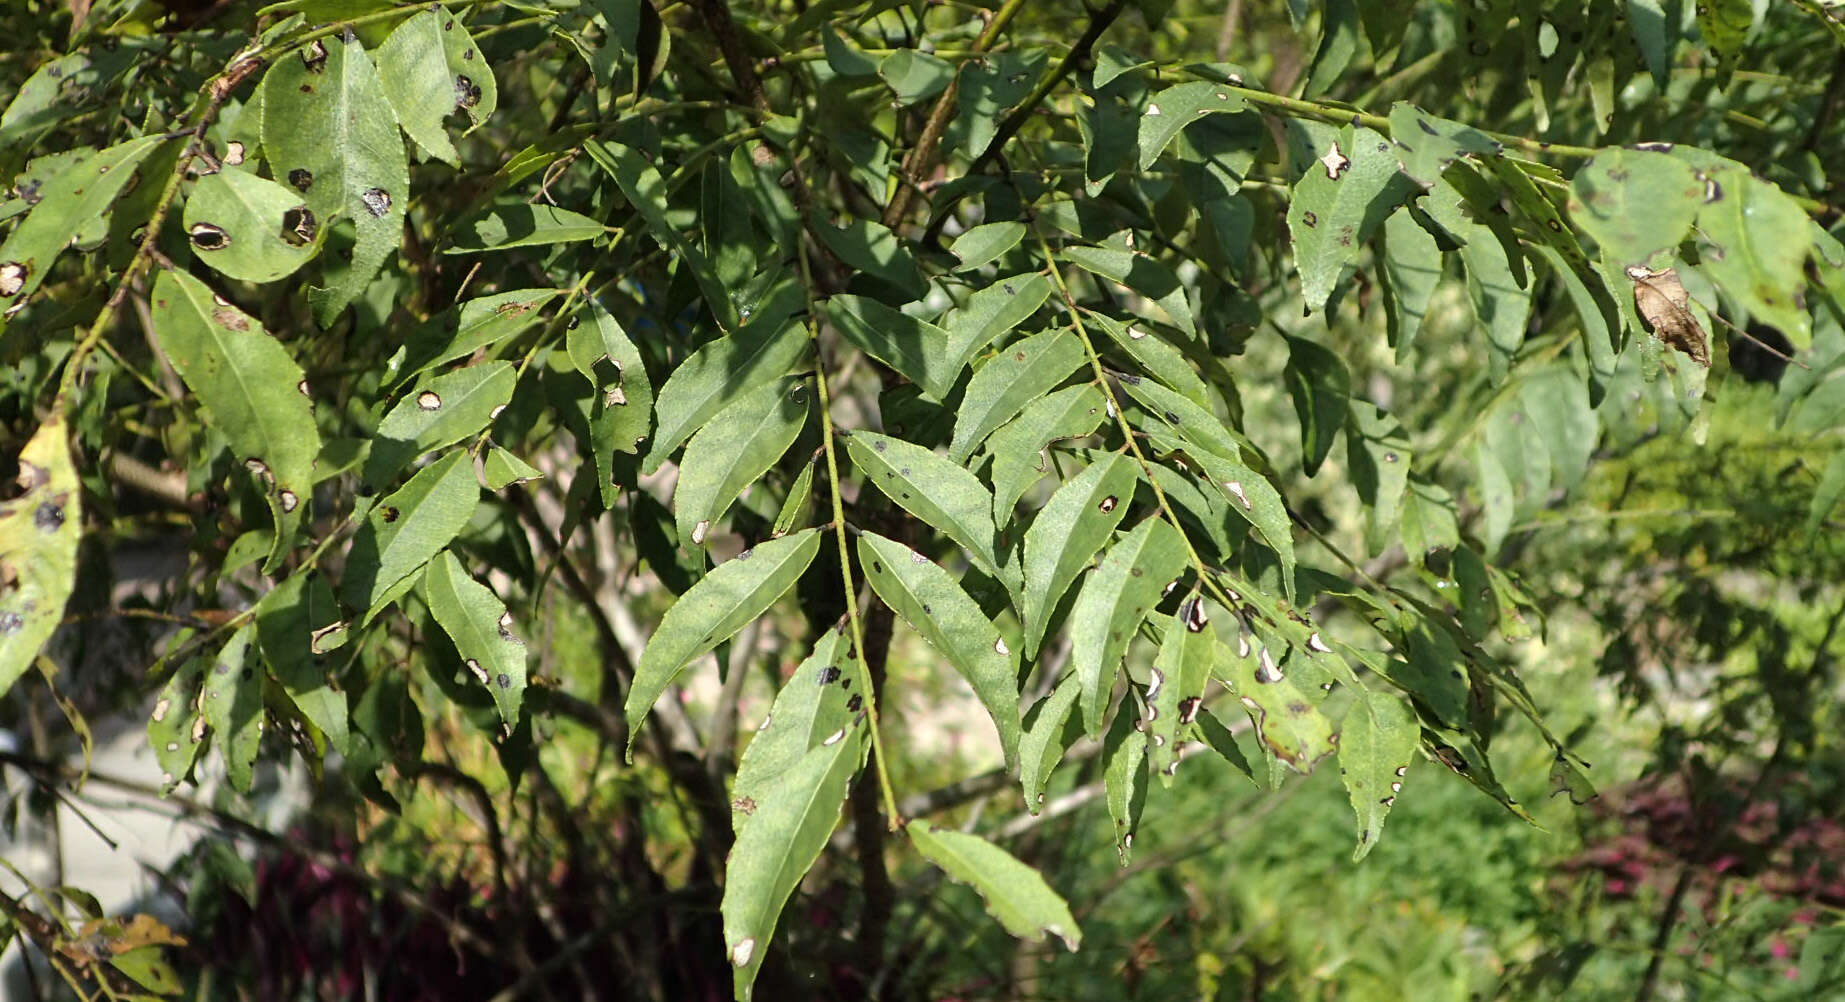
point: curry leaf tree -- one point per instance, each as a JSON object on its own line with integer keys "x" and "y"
{"x": 937, "y": 348}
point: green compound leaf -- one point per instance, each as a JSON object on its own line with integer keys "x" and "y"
{"x": 988, "y": 314}
{"x": 811, "y": 706}
{"x": 1176, "y": 683}
{"x": 1015, "y": 894}
{"x": 935, "y": 606}
{"x": 329, "y": 132}
{"x": 176, "y": 728}
{"x": 403, "y": 531}
{"x": 430, "y": 69}
{"x": 1174, "y": 108}
{"x": 482, "y": 631}
{"x": 250, "y": 389}
{"x": 39, "y": 532}
{"x": 794, "y": 819}
{"x": 1337, "y": 207}
{"x": 1376, "y": 744}
{"x": 1124, "y": 778}
{"x": 733, "y": 451}
{"x": 1115, "y": 599}
{"x": 1320, "y": 387}
{"x": 721, "y": 603}
{"x": 1018, "y": 374}
{"x": 1074, "y": 524}
{"x": 249, "y": 228}
{"x": 74, "y": 198}
{"x": 1142, "y": 274}
{"x": 943, "y": 494}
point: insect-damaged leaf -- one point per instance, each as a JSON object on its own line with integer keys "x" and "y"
{"x": 176, "y": 728}
{"x": 232, "y": 700}
{"x": 69, "y": 201}
{"x": 1116, "y": 597}
{"x": 1287, "y": 723}
{"x": 1426, "y": 145}
{"x": 1018, "y": 374}
{"x": 463, "y": 330}
{"x": 1015, "y": 893}
{"x": 1174, "y": 108}
{"x": 794, "y": 818}
{"x": 1175, "y": 684}
{"x": 289, "y": 622}
{"x": 437, "y": 412}
{"x": 1019, "y": 448}
{"x": 407, "y": 528}
{"x": 328, "y": 130}
{"x": 1124, "y": 778}
{"x": 1635, "y": 203}
{"x": 249, "y": 388}
{"x": 721, "y": 603}
{"x": 481, "y": 629}
{"x": 940, "y": 493}
{"x": 1337, "y": 206}
{"x": 930, "y": 600}
{"x": 812, "y": 706}
{"x": 621, "y": 408}
{"x": 431, "y": 68}
{"x": 1073, "y": 525}
{"x": 249, "y": 228}
{"x": 39, "y": 532}
{"x": 1378, "y": 456}
{"x": 733, "y": 451}
{"x": 1758, "y": 244}
{"x": 1047, "y": 732}
{"x": 1376, "y": 744}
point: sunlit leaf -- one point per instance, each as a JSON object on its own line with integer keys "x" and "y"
{"x": 1376, "y": 744}
{"x": 329, "y": 132}
{"x": 1338, "y": 205}
{"x": 929, "y": 599}
{"x": 1015, "y": 894}
{"x": 1118, "y": 594}
{"x": 249, "y": 228}
{"x": 733, "y": 451}
{"x": 250, "y": 389}
{"x": 794, "y": 818}
{"x": 405, "y": 529}
{"x": 1172, "y": 109}
{"x": 431, "y": 68}
{"x": 437, "y": 412}
{"x": 810, "y": 707}
{"x": 39, "y": 532}
{"x": 232, "y": 699}
{"x": 1018, "y": 374}
{"x": 1066, "y": 535}
{"x": 943, "y": 494}
{"x": 721, "y": 603}
{"x": 482, "y": 631}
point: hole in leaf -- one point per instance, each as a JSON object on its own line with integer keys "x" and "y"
{"x": 208, "y": 237}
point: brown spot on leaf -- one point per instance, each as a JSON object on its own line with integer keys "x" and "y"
{"x": 1664, "y": 304}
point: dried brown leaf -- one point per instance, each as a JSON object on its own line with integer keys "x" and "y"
{"x": 1666, "y": 307}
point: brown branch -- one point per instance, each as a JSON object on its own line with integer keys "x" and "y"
{"x": 1078, "y": 53}
{"x": 923, "y": 156}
